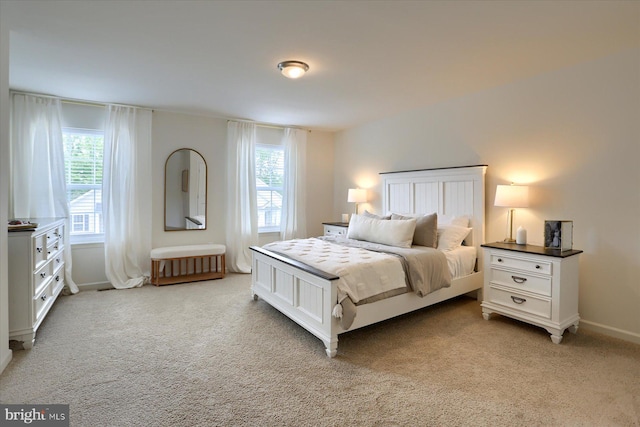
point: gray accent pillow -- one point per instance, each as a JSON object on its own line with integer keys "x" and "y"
{"x": 426, "y": 233}
{"x": 370, "y": 215}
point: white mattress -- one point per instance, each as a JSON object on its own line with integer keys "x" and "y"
{"x": 461, "y": 261}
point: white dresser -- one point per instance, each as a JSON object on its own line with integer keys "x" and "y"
{"x": 532, "y": 284}
{"x": 36, "y": 276}
{"x": 335, "y": 228}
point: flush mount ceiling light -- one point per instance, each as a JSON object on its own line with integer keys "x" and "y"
{"x": 293, "y": 69}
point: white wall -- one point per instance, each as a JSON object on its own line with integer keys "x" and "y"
{"x": 573, "y": 135}
{"x": 208, "y": 136}
{"x": 320, "y": 175}
{"x": 5, "y": 353}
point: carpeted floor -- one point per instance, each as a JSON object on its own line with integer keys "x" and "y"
{"x": 206, "y": 354}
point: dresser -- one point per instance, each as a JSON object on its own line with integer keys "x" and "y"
{"x": 335, "y": 228}
{"x": 36, "y": 276}
{"x": 532, "y": 284}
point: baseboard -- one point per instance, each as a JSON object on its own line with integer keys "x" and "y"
{"x": 96, "y": 286}
{"x": 610, "y": 331}
{"x": 5, "y": 361}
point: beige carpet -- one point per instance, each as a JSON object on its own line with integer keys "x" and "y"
{"x": 206, "y": 354}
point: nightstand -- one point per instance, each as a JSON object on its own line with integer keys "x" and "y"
{"x": 335, "y": 228}
{"x": 532, "y": 284}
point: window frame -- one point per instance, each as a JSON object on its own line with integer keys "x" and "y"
{"x": 271, "y": 188}
{"x": 83, "y": 237}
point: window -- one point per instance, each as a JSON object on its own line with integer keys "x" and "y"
{"x": 269, "y": 181}
{"x": 83, "y": 154}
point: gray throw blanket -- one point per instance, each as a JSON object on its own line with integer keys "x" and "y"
{"x": 426, "y": 270}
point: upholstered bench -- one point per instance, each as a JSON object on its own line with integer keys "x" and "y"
{"x": 189, "y": 263}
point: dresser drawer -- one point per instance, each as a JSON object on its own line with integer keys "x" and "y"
{"x": 57, "y": 282}
{"x": 40, "y": 302}
{"x": 58, "y": 260}
{"x": 39, "y": 249}
{"x": 521, "y": 263}
{"x": 41, "y": 277}
{"x": 55, "y": 233}
{"x": 521, "y": 302}
{"x": 522, "y": 281}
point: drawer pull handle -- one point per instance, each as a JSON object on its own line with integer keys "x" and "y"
{"x": 43, "y": 297}
{"x": 499, "y": 259}
{"x": 43, "y": 275}
{"x": 57, "y": 278}
{"x": 57, "y": 259}
{"x": 538, "y": 267}
{"x": 520, "y": 280}
{"x": 518, "y": 300}
{"x": 39, "y": 250}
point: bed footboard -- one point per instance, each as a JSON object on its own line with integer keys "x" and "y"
{"x": 304, "y": 294}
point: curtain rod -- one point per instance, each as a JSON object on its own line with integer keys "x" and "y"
{"x": 267, "y": 125}
{"x": 79, "y": 101}
{"x": 100, "y": 104}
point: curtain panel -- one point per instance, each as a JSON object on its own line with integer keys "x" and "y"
{"x": 242, "y": 205}
{"x": 126, "y": 192}
{"x": 294, "y": 224}
{"x": 38, "y": 188}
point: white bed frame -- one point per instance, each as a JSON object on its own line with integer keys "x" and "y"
{"x": 308, "y": 295}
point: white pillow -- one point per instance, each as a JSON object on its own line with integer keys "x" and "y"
{"x": 451, "y": 236}
{"x": 393, "y": 233}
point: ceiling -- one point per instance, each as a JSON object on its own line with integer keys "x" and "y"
{"x": 367, "y": 59}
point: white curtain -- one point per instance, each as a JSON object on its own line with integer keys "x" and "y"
{"x": 242, "y": 210}
{"x": 293, "y": 224}
{"x": 38, "y": 188}
{"x": 126, "y": 196}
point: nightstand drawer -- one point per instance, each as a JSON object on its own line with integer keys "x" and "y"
{"x": 335, "y": 230}
{"x": 521, "y": 263}
{"x": 521, "y": 302}
{"x": 522, "y": 281}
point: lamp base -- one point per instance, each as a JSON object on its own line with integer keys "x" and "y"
{"x": 508, "y": 240}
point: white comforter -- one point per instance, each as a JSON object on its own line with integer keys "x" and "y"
{"x": 381, "y": 273}
{"x": 367, "y": 269}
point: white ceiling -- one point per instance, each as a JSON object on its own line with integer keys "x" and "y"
{"x": 368, "y": 59}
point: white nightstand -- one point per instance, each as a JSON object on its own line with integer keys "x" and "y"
{"x": 335, "y": 228}
{"x": 531, "y": 284}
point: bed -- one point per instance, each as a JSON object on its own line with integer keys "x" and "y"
{"x": 310, "y": 296}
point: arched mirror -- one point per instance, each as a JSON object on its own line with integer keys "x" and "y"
{"x": 185, "y": 191}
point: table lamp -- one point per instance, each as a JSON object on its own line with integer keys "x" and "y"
{"x": 511, "y": 196}
{"x": 357, "y": 195}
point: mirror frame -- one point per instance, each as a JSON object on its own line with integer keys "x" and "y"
{"x": 206, "y": 190}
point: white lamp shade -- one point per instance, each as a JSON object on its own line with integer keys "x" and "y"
{"x": 357, "y": 195}
{"x": 512, "y": 196}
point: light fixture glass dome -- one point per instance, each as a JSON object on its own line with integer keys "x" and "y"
{"x": 293, "y": 69}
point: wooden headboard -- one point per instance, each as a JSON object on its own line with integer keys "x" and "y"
{"x": 449, "y": 192}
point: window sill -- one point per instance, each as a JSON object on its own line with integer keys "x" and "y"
{"x": 272, "y": 230}
{"x": 95, "y": 239}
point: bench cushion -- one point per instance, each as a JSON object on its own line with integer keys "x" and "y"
{"x": 187, "y": 251}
